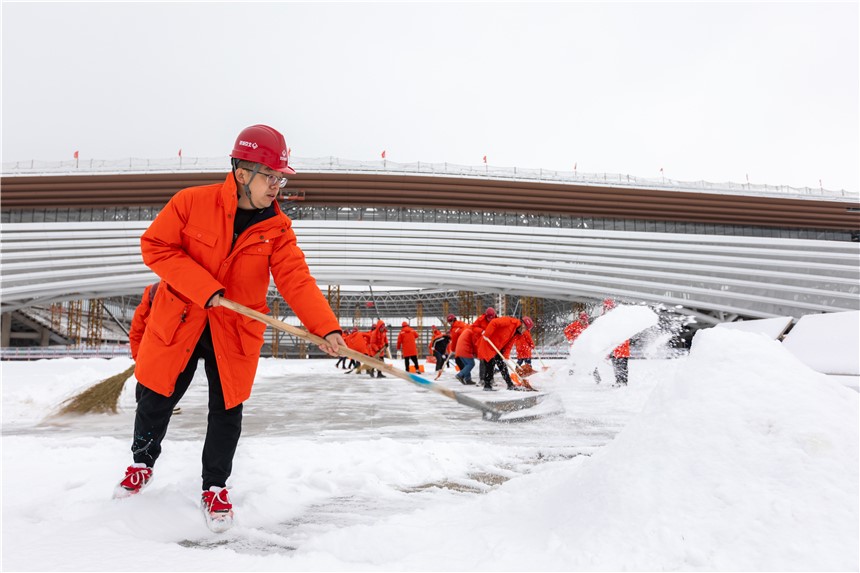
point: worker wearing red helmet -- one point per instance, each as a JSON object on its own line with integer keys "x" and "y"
{"x": 494, "y": 347}
{"x": 478, "y": 327}
{"x": 455, "y": 329}
{"x": 406, "y": 343}
{"x": 227, "y": 239}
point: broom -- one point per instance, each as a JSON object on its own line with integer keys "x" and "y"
{"x": 101, "y": 398}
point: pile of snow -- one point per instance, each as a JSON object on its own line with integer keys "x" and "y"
{"x": 746, "y": 460}
{"x": 828, "y": 343}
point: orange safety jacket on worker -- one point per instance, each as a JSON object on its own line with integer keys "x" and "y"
{"x": 138, "y": 320}
{"x": 357, "y": 341}
{"x": 622, "y": 350}
{"x": 502, "y": 331}
{"x": 457, "y": 328}
{"x": 481, "y": 324}
{"x": 466, "y": 344}
{"x": 525, "y": 344}
{"x": 574, "y": 329}
{"x": 190, "y": 246}
{"x": 378, "y": 337}
{"x": 406, "y": 341}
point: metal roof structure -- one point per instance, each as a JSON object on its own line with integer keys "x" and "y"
{"x": 424, "y": 233}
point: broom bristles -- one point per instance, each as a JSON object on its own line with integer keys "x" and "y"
{"x": 99, "y": 398}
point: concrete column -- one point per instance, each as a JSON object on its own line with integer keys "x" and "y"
{"x": 5, "y": 329}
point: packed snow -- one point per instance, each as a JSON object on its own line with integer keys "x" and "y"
{"x": 735, "y": 457}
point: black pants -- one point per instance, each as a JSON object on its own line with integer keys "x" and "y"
{"x": 440, "y": 360}
{"x": 223, "y": 429}
{"x": 414, "y": 359}
{"x": 620, "y": 367}
{"x": 489, "y": 368}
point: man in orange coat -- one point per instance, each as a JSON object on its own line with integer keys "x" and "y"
{"x": 575, "y": 328}
{"x": 620, "y": 355}
{"x": 227, "y": 239}
{"x": 378, "y": 344}
{"x": 502, "y": 333}
{"x": 524, "y": 345}
{"x": 456, "y": 328}
{"x": 480, "y": 324}
{"x": 406, "y": 344}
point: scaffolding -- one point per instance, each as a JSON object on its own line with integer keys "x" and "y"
{"x": 73, "y": 324}
{"x": 95, "y": 320}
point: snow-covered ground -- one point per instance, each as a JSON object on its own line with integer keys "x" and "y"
{"x": 737, "y": 457}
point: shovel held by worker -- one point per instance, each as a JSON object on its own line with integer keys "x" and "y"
{"x": 518, "y": 380}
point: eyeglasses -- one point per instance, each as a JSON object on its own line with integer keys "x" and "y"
{"x": 272, "y": 179}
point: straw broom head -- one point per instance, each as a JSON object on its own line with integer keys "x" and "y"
{"x": 101, "y": 398}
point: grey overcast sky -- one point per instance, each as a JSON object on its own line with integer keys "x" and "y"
{"x": 712, "y": 91}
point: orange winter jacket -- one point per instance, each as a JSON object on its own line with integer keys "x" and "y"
{"x": 406, "y": 341}
{"x": 358, "y": 342}
{"x": 138, "y": 321}
{"x": 190, "y": 246}
{"x": 525, "y": 344}
{"x": 622, "y": 350}
{"x": 466, "y": 344}
{"x": 378, "y": 337}
{"x": 502, "y": 331}
{"x": 457, "y": 328}
{"x": 574, "y": 329}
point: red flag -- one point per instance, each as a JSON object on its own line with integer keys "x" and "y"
{"x": 76, "y": 154}
{"x": 383, "y": 154}
{"x": 180, "y": 152}
{"x": 485, "y": 159}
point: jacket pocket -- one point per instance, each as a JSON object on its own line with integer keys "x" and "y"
{"x": 250, "y": 333}
{"x": 168, "y": 312}
{"x": 205, "y": 236}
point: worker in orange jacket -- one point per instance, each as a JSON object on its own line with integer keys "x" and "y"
{"x": 619, "y": 356}
{"x": 575, "y": 328}
{"x": 455, "y": 328}
{"x": 502, "y": 332}
{"x": 226, "y": 239}
{"x": 466, "y": 354}
{"x": 524, "y": 345}
{"x": 355, "y": 342}
{"x": 378, "y": 344}
{"x": 406, "y": 343}
{"x": 480, "y": 324}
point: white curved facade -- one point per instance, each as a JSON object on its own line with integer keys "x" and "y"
{"x": 751, "y": 276}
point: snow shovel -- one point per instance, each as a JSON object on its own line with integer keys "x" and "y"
{"x": 512, "y": 367}
{"x": 543, "y": 366}
{"x": 488, "y": 412}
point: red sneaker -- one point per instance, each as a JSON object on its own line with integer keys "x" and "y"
{"x": 217, "y": 509}
{"x": 137, "y": 477}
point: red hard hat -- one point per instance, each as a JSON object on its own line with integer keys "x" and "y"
{"x": 451, "y": 318}
{"x": 490, "y": 312}
{"x": 608, "y": 303}
{"x": 263, "y": 144}
{"x": 527, "y": 320}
